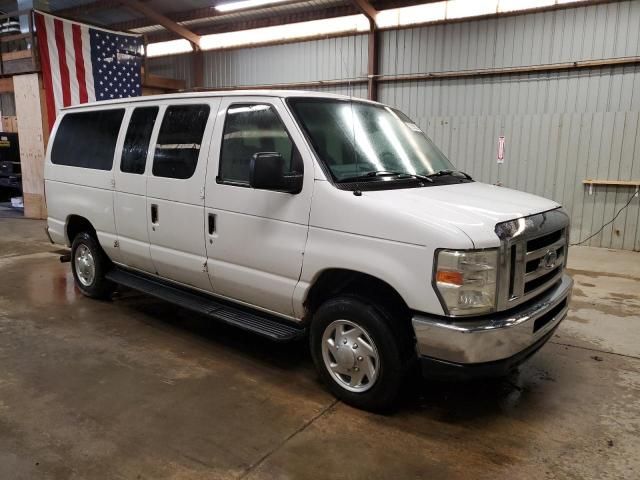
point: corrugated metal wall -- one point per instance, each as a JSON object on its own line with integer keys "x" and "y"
{"x": 177, "y": 66}
{"x": 560, "y": 127}
{"x": 7, "y": 104}
{"x": 328, "y": 59}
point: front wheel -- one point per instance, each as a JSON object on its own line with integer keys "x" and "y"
{"x": 90, "y": 265}
{"x": 357, "y": 352}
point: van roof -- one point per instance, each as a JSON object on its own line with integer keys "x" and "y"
{"x": 219, "y": 93}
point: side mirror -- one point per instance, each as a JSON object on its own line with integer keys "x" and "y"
{"x": 266, "y": 172}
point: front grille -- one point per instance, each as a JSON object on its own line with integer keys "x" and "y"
{"x": 541, "y": 242}
{"x": 532, "y": 285}
{"x": 532, "y": 256}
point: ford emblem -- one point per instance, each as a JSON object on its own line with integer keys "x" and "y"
{"x": 549, "y": 260}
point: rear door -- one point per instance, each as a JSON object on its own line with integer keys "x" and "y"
{"x": 80, "y": 176}
{"x": 130, "y": 201}
{"x": 175, "y": 191}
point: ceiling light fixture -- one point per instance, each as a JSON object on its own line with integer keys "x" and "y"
{"x": 290, "y": 31}
{"x": 233, "y": 6}
{"x": 171, "y": 47}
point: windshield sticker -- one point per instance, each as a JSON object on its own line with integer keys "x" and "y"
{"x": 414, "y": 127}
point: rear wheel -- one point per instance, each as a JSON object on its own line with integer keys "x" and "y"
{"x": 357, "y": 352}
{"x": 89, "y": 265}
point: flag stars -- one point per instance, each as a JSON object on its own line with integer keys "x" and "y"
{"x": 116, "y": 65}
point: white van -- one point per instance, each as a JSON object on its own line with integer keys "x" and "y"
{"x": 294, "y": 214}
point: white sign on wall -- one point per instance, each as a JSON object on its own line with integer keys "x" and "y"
{"x": 501, "y": 149}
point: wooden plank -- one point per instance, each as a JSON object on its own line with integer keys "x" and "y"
{"x": 6, "y": 85}
{"x": 156, "y": 81}
{"x": 10, "y": 124}
{"x": 627, "y": 183}
{"x": 10, "y": 38}
{"x": 34, "y": 205}
{"x": 20, "y": 65}
{"x": 152, "y": 91}
{"x": 28, "y": 109}
{"x": 6, "y": 57}
{"x": 551, "y": 67}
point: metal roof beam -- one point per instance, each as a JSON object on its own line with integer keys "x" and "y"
{"x": 87, "y": 8}
{"x": 160, "y": 19}
{"x": 196, "y": 14}
{"x": 367, "y": 9}
{"x": 270, "y": 21}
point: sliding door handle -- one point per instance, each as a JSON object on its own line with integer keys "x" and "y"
{"x": 212, "y": 223}
{"x": 154, "y": 214}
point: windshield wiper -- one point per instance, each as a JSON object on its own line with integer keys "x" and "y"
{"x": 386, "y": 173}
{"x": 441, "y": 173}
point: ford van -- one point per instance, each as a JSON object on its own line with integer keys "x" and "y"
{"x": 306, "y": 215}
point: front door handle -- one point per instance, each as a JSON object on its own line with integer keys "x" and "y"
{"x": 154, "y": 214}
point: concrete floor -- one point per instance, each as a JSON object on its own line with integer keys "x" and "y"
{"x": 137, "y": 388}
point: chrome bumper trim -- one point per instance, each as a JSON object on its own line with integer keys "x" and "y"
{"x": 491, "y": 338}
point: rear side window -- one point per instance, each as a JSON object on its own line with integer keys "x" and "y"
{"x": 136, "y": 143}
{"x": 251, "y": 129}
{"x": 179, "y": 141}
{"x": 87, "y": 139}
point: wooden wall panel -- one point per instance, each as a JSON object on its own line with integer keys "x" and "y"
{"x": 32, "y": 148}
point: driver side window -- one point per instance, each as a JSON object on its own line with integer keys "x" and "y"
{"x": 251, "y": 129}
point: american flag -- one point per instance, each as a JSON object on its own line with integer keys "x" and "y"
{"x": 84, "y": 64}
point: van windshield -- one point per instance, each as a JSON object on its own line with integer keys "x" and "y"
{"x": 359, "y": 141}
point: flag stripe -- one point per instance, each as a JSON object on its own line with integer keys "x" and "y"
{"x": 53, "y": 64}
{"x": 80, "y": 65}
{"x": 62, "y": 59}
{"x": 88, "y": 68}
{"x": 71, "y": 63}
{"x": 46, "y": 73}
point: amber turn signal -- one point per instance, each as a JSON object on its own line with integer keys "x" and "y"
{"x": 448, "y": 276}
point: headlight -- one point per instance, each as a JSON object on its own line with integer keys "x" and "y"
{"x": 466, "y": 280}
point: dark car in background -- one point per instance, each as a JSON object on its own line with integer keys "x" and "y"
{"x": 10, "y": 170}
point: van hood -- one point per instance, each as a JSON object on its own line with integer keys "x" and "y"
{"x": 475, "y": 208}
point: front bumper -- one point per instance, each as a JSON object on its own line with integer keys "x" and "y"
{"x": 504, "y": 339}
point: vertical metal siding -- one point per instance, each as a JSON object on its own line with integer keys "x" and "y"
{"x": 8, "y": 104}
{"x": 560, "y": 127}
{"x": 327, "y": 59}
{"x": 175, "y": 66}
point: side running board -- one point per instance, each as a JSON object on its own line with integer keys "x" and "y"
{"x": 256, "y": 322}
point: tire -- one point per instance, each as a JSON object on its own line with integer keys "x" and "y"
{"x": 376, "y": 334}
{"x": 89, "y": 265}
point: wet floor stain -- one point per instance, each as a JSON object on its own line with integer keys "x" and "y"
{"x": 137, "y": 388}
